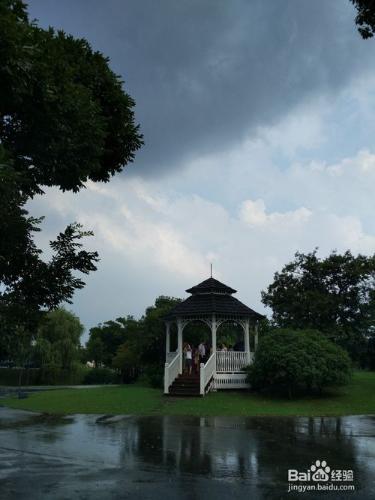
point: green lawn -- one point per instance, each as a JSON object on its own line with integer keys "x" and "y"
{"x": 356, "y": 398}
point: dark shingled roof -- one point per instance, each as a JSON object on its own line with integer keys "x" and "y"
{"x": 211, "y": 286}
{"x": 209, "y": 297}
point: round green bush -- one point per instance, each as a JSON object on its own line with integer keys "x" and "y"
{"x": 298, "y": 361}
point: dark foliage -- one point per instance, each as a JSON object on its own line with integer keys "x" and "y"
{"x": 131, "y": 346}
{"x": 155, "y": 375}
{"x": 48, "y": 375}
{"x": 64, "y": 119}
{"x": 106, "y": 338}
{"x": 365, "y": 19}
{"x": 101, "y": 376}
{"x": 335, "y": 295}
{"x": 298, "y": 362}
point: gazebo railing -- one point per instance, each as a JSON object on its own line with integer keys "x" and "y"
{"x": 207, "y": 372}
{"x": 171, "y": 372}
{"x": 232, "y": 361}
{"x": 170, "y": 356}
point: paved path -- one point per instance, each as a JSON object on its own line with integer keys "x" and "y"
{"x": 6, "y": 390}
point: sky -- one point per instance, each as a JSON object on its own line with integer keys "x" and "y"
{"x": 259, "y": 142}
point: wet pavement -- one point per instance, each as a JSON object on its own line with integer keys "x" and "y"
{"x": 9, "y": 390}
{"x": 99, "y": 457}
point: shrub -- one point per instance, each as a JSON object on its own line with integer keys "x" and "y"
{"x": 291, "y": 361}
{"x": 154, "y": 375}
{"x": 11, "y": 376}
{"x": 49, "y": 374}
{"x": 101, "y": 376}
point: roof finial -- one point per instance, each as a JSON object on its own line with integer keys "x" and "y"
{"x": 211, "y": 269}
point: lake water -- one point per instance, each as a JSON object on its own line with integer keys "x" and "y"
{"x": 97, "y": 457}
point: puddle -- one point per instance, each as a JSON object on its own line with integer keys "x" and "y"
{"x": 177, "y": 457}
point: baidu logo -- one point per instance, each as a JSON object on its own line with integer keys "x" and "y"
{"x": 320, "y": 471}
{"x": 320, "y": 477}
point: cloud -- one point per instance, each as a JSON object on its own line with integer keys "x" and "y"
{"x": 156, "y": 241}
{"x": 207, "y": 74}
{"x": 254, "y": 214}
{"x": 259, "y": 130}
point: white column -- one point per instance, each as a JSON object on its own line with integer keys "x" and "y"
{"x": 166, "y": 379}
{"x": 201, "y": 379}
{"x": 213, "y": 332}
{"x": 247, "y": 341}
{"x": 179, "y": 342}
{"x": 256, "y": 336}
{"x": 167, "y": 340}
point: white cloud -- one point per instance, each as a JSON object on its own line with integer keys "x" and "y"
{"x": 301, "y": 129}
{"x": 167, "y": 245}
{"x": 254, "y": 213}
{"x": 363, "y": 163}
{"x": 247, "y": 210}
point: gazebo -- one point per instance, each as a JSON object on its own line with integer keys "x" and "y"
{"x": 212, "y": 303}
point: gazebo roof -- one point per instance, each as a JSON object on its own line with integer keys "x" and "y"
{"x": 211, "y": 286}
{"x": 212, "y": 296}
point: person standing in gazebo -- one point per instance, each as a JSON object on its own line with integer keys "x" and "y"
{"x": 202, "y": 352}
{"x": 196, "y": 359}
{"x": 188, "y": 358}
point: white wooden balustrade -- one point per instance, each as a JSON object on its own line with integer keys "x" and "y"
{"x": 171, "y": 372}
{"x": 207, "y": 372}
{"x": 170, "y": 356}
{"x": 230, "y": 381}
{"x": 232, "y": 361}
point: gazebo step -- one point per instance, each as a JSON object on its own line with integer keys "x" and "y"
{"x": 182, "y": 388}
{"x": 183, "y": 392}
{"x": 185, "y": 385}
{"x": 188, "y": 385}
{"x": 187, "y": 379}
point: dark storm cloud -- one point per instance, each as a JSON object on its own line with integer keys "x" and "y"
{"x": 206, "y": 72}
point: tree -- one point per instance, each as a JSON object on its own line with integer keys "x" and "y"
{"x": 42, "y": 352}
{"x": 64, "y": 120}
{"x": 30, "y": 285}
{"x": 127, "y": 361}
{"x": 64, "y": 117}
{"x": 58, "y": 338}
{"x": 295, "y": 361}
{"x": 131, "y": 345}
{"x": 365, "y": 19}
{"x": 334, "y": 295}
{"x": 152, "y": 338}
{"x": 106, "y": 338}
{"x": 95, "y": 350}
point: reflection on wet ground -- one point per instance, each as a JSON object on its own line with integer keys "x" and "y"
{"x": 99, "y": 457}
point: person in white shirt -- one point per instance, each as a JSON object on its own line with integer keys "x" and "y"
{"x": 188, "y": 358}
{"x": 202, "y": 352}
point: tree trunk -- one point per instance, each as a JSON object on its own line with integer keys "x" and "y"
{"x": 20, "y": 377}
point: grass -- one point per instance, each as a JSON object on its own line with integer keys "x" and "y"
{"x": 356, "y": 398}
